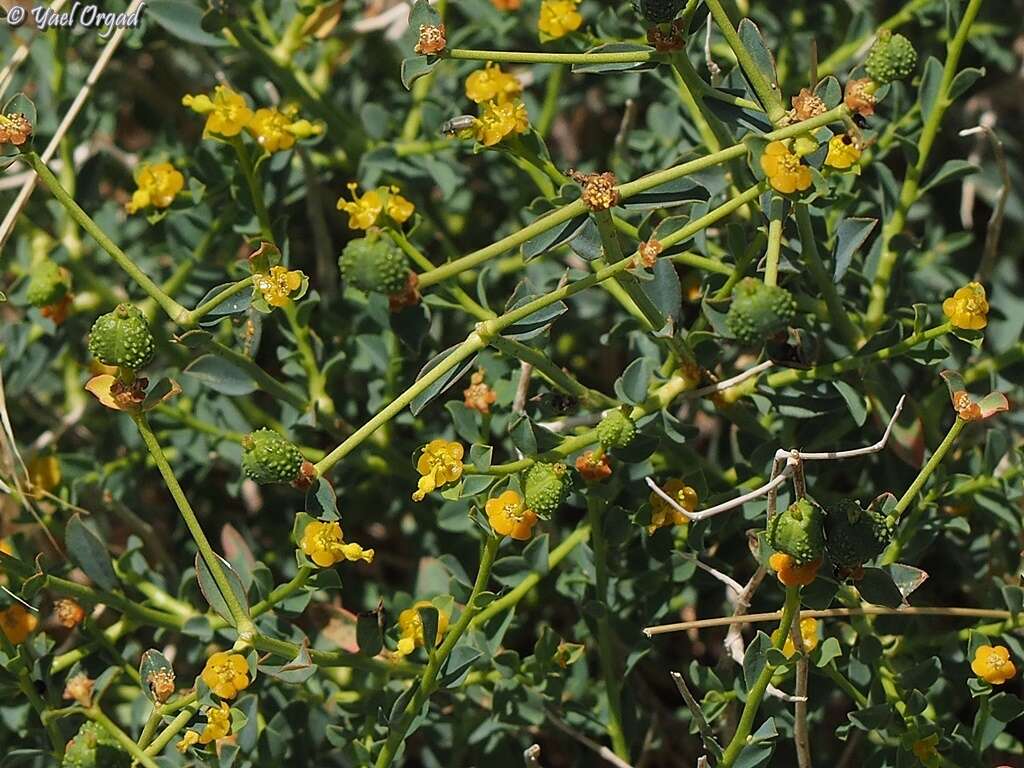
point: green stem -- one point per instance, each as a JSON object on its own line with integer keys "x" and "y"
{"x": 627, "y": 190}
{"x": 555, "y": 375}
{"x": 649, "y": 314}
{"x": 757, "y": 690}
{"x": 138, "y": 613}
{"x": 929, "y": 468}
{"x": 530, "y": 57}
{"x": 512, "y": 598}
{"x": 149, "y": 729}
{"x": 255, "y": 189}
{"x": 605, "y": 639}
{"x": 121, "y": 738}
{"x": 174, "y": 310}
{"x": 317, "y": 383}
{"x": 213, "y": 302}
{"x": 263, "y": 380}
{"x": 774, "y": 251}
{"x": 181, "y": 720}
{"x": 429, "y": 679}
{"x": 833, "y": 369}
{"x": 766, "y": 91}
{"x": 550, "y": 108}
{"x": 910, "y": 192}
{"x": 826, "y": 285}
{"x": 240, "y": 618}
{"x": 846, "y": 686}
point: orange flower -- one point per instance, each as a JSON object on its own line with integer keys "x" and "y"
{"x": 992, "y": 664}
{"x": 478, "y": 396}
{"x": 791, "y": 574}
{"x": 508, "y": 516}
{"x": 860, "y": 96}
{"x": 17, "y": 624}
{"x": 431, "y": 40}
{"x": 507, "y": 5}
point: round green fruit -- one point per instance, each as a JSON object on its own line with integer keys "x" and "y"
{"x": 658, "y": 11}
{"x": 616, "y": 430}
{"x": 122, "y": 338}
{"x": 759, "y": 311}
{"x": 891, "y": 58}
{"x": 267, "y": 458}
{"x": 374, "y": 264}
{"x": 798, "y": 532}
{"x": 48, "y": 283}
{"x": 854, "y": 535}
{"x": 546, "y": 487}
{"x": 93, "y": 747}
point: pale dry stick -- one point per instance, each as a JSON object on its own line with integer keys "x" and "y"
{"x": 793, "y": 459}
{"x": 734, "y": 637}
{"x": 7, "y": 73}
{"x": 50, "y": 436}
{"x": 7, "y": 226}
{"x": 801, "y": 738}
{"x": 531, "y": 755}
{"x": 730, "y": 582}
{"x": 725, "y": 384}
{"x": 995, "y": 221}
{"x": 828, "y": 613}
{"x": 586, "y": 741}
{"x": 713, "y": 69}
{"x": 697, "y": 713}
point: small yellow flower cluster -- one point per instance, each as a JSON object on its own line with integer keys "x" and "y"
{"x": 992, "y": 664}
{"x": 808, "y": 633}
{"x": 226, "y": 674}
{"x": 158, "y": 185}
{"x": 492, "y": 84}
{"x": 663, "y": 513}
{"x": 228, "y": 114}
{"x": 784, "y": 170}
{"x": 17, "y": 624}
{"x": 364, "y": 210}
{"x": 277, "y": 285}
{"x": 410, "y": 627}
{"x": 324, "y": 544}
{"x": 968, "y": 307}
{"x": 440, "y": 463}
{"x": 508, "y": 516}
{"x": 218, "y": 725}
{"x": 558, "y": 18}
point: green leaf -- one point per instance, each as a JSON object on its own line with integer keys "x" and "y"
{"x": 827, "y": 651}
{"x": 854, "y": 400}
{"x": 668, "y": 195}
{"x": 829, "y": 91}
{"x": 758, "y": 48}
{"x": 951, "y": 170}
{"x": 554, "y": 236}
{"x": 631, "y": 387}
{"x": 625, "y": 66}
{"x": 963, "y": 81}
{"x": 755, "y": 659}
{"x": 208, "y": 586}
{"x": 322, "y": 501}
{"x": 665, "y": 289}
{"x": 443, "y": 382}
{"x": 878, "y": 588}
{"x": 89, "y": 553}
{"x": 151, "y": 663}
{"x": 295, "y": 672}
{"x": 184, "y": 20}
{"x": 429, "y": 617}
{"x": 240, "y": 302}
{"x": 850, "y": 236}
{"x": 221, "y": 376}
{"x": 415, "y": 67}
{"x": 931, "y": 86}
{"x": 536, "y": 323}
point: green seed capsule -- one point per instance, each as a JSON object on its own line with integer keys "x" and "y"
{"x": 546, "y": 487}
{"x": 48, "y": 283}
{"x": 93, "y": 747}
{"x": 759, "y": 311}
{"x": 267, "y": 458}
{"x": 374, "y": 264}
{"x": 122, "y": 338}
{"x": 798, "y": 532}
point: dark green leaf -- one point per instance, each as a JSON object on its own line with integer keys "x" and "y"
{"x": 89, "y": 553}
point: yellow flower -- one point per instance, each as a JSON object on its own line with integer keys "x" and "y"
{"x": 789, "y": 573}
{"x": 189, "y": 740}
{"x": 440, "y": 463}
{"x": 226, "y": 674}
{"x": 398, "y": 208}
{"x": 491, "y": 84}
{"x": 17, "y": 624}
{"x": 968, "y": 307}
{"x": 843, "y": 152}
{"x": 993, "y": 665}
{"x": 508, "y": 516}
{"x": 410, "y": 627}
{"x": 809, "y": 633}
{"x": 278, "y": 284}
{"x": 663, "y": 513}
{"x": 499, "y": 119}
{"x": 226, "y": 113}
{"x": 276, "y": 129}
{"x": 784, "y": 170}
{"x": 44, "y": 474}
{"x": 218, "y": 724}
{"x": 159, "y": 184}
{"x": 325, "y": 545}
{"x": 362, "y": 211}
{"x": 558, "y": 18}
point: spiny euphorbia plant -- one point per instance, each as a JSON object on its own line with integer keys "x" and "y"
{"x": 624, "y": 339}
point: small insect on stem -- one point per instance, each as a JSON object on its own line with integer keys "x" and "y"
{"x": 457, "y": 125}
